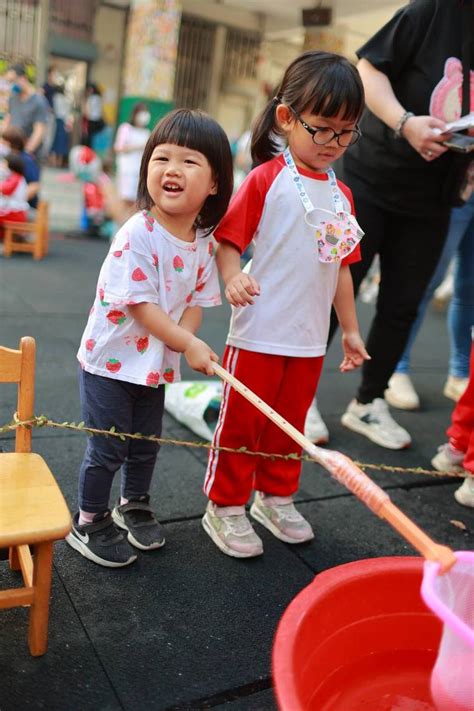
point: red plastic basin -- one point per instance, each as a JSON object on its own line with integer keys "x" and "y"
{"x": 358, "y": 638}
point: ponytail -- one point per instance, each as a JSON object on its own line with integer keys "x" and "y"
{"x": 264, "y": 146}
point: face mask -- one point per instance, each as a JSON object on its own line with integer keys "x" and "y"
{"x": 337, "y": 235}
{"x": 16, "y": 88}
{"x": 143, "y": 118}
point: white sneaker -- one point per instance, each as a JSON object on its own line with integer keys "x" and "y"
{"x": 278, "y": 514}
{"x": 231, "y": 531}
{"x": 465, "y": 494}
{"x": 455, "y": 387}
{"x": 442, "y": 295}
{"x": 401, "y": 393}
{"x": 314, "y": 427}
{"x": 375, "y": 422}
{"x": 448, "y": 459}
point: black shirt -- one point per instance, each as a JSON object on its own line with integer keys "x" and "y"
{"x": 420, "y": 51}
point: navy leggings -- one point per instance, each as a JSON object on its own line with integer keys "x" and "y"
{"x": 130, "y": 408}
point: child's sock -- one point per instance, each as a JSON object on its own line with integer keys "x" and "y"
{"x": 85, "y": 517}
{"x": 123, "y": 501}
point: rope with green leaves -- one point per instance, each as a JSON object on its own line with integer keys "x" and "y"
{"x": 44, "y": 421}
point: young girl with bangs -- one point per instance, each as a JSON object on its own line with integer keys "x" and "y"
{"x": 159, "y": 273}
{"x": 304, "y": 233}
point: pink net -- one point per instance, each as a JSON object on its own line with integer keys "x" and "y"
{"x": 451, "y": 597}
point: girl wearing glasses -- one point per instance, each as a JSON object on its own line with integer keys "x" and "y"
{"x": 300, "y": 220}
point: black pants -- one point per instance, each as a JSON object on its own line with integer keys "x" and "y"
{"x": 130, "y": 408}
{"x": 409, "y": 249}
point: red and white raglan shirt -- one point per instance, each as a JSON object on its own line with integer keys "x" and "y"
{"x": 145, "y": 263}
{"x": 291, "y": 315}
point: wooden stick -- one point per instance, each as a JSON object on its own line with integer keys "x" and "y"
{"x": 351, "y": 476}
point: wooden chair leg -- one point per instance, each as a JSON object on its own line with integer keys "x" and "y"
{"x": 39, "y": 611}
{"x": 38, "y": 248}
{"x": 7, "y": 242}
{"x": 13, "y": 559}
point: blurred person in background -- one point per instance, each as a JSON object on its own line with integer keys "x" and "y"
{"x": 404, "y": 182}
{"x": 62, "y": 114}
{"x": 27, "y": 110}
{"x": 460, "y": 244}
{"x": 13, "y": 140}
{"x": 13, "y": 203}
{"x": 50, "y": 86}
{"x": 130, "y": 141}
{"x": 92, "y": 119}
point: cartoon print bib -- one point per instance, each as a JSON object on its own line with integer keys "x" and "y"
{"x": 336, "y": 233}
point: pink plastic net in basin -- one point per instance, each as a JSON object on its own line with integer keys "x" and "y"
{"x": 451, "y": 597}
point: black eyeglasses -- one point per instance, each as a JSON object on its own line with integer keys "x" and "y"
{"x": 323, "y": 134}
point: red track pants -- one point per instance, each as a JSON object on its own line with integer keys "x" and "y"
{"x": 461, "y": 431}
{"x": 288, "y": 384}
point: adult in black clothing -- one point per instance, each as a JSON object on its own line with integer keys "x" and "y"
{"x": 404, "y": 183}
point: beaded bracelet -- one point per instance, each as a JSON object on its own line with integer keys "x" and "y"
{"x": 401, "y": 122}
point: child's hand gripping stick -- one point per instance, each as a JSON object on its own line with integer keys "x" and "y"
{"x": 353, "y": 478}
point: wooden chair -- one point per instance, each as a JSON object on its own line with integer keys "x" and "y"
{"x": 37, "y": 233}
{"x": 32, "y": 508}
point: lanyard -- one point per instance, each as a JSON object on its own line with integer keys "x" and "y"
{"x": 304, "y": 197}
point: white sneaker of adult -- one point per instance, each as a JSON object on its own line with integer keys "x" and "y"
{"x": 465, "y": 494}
{"x": 401, "y": 393}
{"x": 375, "y": 422}
{"x": 314, "y": 427}
{"x": 455, "y": 387}
{"x": 448, "y": 460}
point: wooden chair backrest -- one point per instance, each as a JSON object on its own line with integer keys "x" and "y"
{"x": 18, "y": 366}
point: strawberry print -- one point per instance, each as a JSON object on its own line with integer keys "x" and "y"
{"x": 178, "y": 264}
{"x": 189, "y": 298}
{"x": 156, "y": 263}
{"x": 142, "y": 344}
{"x": 148, "y": 221}
{"x": 126, "y": 246}
{"x": 118, "y": 253}
{"x": 101, "y": 297}
{"x": 210, "y": 249}
{"x": 90, "y": 343}
{"x": 113, "y": 365}
{"x": 138, "y": 275}
{"x": 168, "y": 375}
{"x": 200, "y": 273}
{"x": 153, "y": 378}
{"x": 117, "y": 317}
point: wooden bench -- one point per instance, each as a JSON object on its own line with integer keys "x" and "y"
{"x": 36, "y": 234}
{"x": 32, "y": 509}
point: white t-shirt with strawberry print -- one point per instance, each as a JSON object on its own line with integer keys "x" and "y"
{"x": 145, "y": 263}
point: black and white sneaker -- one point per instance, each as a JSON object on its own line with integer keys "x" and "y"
{"x": 137, "y": 517}
{"x": 101, "y": 541}
{"x": 375, "y": 422}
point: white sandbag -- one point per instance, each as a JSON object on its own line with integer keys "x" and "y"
{"x": 195, "y": 404}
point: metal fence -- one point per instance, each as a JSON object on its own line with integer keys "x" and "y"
{"x": 196, "y": 48}
{"x": 19, "y": 30}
